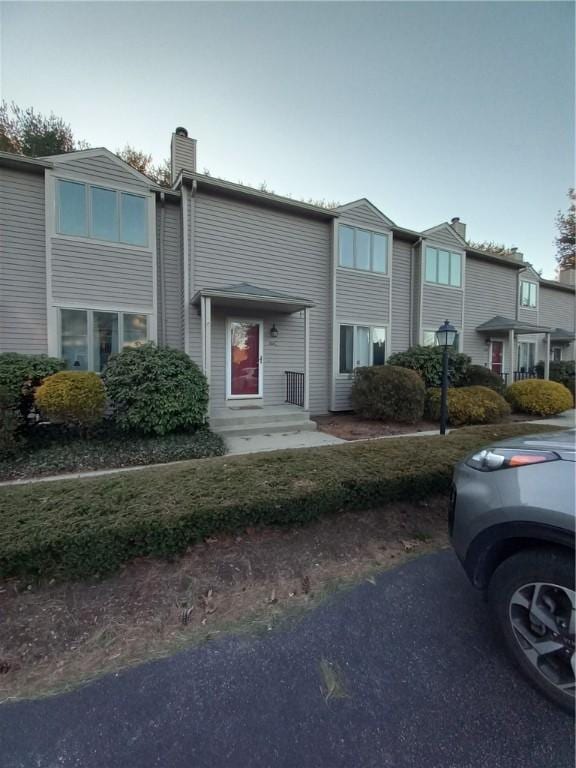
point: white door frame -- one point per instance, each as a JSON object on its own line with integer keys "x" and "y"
{"x": 260, "y": 324}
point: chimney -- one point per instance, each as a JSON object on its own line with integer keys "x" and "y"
{"x": 516, "y": 254}
{"x": 567, "y": 276}
{"x": 182, "y": 153}
{"x": 458, "y": 226}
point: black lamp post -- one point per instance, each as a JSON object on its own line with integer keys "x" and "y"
{"x": 445, "y": 336}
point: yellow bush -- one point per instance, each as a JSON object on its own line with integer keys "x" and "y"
{"x": 539, "y": 397}
{"x": 469, "y": 405}
{"x": 74, "y": 398}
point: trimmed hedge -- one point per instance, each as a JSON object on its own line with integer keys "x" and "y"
{"x": 469, "y": 405}
{"x": 77, "y": 529}
{"x": 562, "y": 371}
{"x": 389, "y": 393}
{"x": 20, "y": 374}
{"x": 427, "y": 361}
{"x": 75, "y": 398}
{"x": 480, "y": 376}
{"x": 539, "y": 397}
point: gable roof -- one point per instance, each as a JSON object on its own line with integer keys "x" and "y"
{"x": 530, "y": 272}
{"x": 448, "y": 229}
{"x": 363, "y": 202}
{"x": 81, "y": 154}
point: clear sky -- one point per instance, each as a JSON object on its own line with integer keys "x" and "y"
{"x": 429, "y": 109}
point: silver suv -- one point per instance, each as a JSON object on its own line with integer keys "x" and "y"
{"x": 512, "y": 517}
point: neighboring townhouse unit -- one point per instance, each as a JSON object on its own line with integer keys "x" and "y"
{"x": 277, "y": 300}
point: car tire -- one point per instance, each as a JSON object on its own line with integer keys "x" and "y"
{"x": 534, "y": 584}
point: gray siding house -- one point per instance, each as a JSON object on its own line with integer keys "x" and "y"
{"x": 278, "y": 301}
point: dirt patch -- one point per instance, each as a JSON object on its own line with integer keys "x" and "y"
{"x": 56, "y": 635}
{"x": 348, "y": 426}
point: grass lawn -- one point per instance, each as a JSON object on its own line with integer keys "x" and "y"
{"x": 59, "y": 452}
{"x": 80, "y": 528}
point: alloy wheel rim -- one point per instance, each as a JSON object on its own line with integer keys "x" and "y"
{"x": 543, "y": 620}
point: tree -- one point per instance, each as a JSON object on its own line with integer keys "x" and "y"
{"x": 566, "y": 240}
{"x": 489, "y": 246}
{"x": 143, "y": 163}
{"x": 26, "y": 132}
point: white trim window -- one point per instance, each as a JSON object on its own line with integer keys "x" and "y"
{"x": 556, "y": 354}
{"x": 88, "y": 210}
{"x": 363, "y": 249}
{"x": 443, "y": 267}
{"x": 429, "y": 339}
{"x": 361, "y": 345}
{"x": 88, "y": 337}
{"x": 528, "y": 294}
{"x": 526, "y": 356}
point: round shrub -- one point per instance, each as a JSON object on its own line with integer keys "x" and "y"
{"x": 539, "y": 397}
{"x": 427, "y": 361}
{"x": 562, "y": 371}
{"x": 389, "y": 393}
{"x": 74, "y": 398}
{"x": 21, "y": 374}
{"x": 10, "y": 422}
{"x": 469, "y": 405}
{"x": 480, "y": 376}
{"x": 156, "y": 390}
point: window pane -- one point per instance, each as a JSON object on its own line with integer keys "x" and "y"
{"x": 362, "y": 346}
{"x": 104, "y": 214}
{"x": 135, "y": 330}
{"x": 455, "y": 276}
{"x": 346, "y": 348}
{"x": 431, "y": 265}
{"x": 378, "y": 346}
{"x": 429, "y": 338}
{"x": 133, "y": 219}
{"x": 443, "y": 267}
{"x": 362, "y": 249}
{"x": 346, "y": 239}
{"x": 380, "y": 253}
{"x": 71, "y": 208}
{"x": 74, "y": 338}
{"x": 105, "y": 338}
{"x": 533, "y": 289}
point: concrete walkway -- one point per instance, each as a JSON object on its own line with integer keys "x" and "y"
{"x": 279, "y": 441}
{"x": 566, "y": 419}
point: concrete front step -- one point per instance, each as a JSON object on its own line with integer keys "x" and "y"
{"x": 264, "y": 428}
{"x": 229, "y": 417}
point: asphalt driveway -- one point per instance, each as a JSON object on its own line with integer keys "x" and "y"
{"x": 421, "y": 677}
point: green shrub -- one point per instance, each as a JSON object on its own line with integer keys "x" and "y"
{"x": 539, "y": 397}
{"x": 389, "y": 393}
{"x": 76, "y": 529}
{"x": 21, "y": 374}
{"x": 479, "y": 375}
{"x": 469, "y": 405}
{"x": 10, "y": 422}
{"x": 562, "y": 371}
{"x": 74, "y": 398}
{"x": 428, "y": 362}
{"x": 156, "y": 390}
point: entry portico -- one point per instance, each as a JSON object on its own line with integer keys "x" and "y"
{"x": 255, "y": 347}
{"x": 501, "y": 329}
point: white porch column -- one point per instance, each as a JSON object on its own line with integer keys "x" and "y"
{"x": 306, "y": 359}
{"x": 511, "y": 355}
{"x": 206, "y": 329}
{"x": 547, "y": 358}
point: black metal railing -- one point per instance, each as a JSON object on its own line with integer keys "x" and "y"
{"x": 532, "y": 373}
{"x": 295, "y": 388}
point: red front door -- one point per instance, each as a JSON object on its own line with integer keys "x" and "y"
{"x": 497, "y": 351}
{"x": 245, "y": 359}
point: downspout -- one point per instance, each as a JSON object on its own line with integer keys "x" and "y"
{"x": 411, "y": 292}
{"x": 161, "y": 266}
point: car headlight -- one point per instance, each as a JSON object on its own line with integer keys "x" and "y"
{"x": 491, "y": 459}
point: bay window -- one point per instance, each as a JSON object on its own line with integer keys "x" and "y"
{"x": 89, "y": 337}
{"x": 86, "y": 210}
{"x": 362, "y": 249}
{"x": 361, "y": 345}
{"x": 443, "y": 267}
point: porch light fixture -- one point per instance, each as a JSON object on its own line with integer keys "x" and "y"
{"x": 274, "y": 331}
{"x": 445, "y": 336}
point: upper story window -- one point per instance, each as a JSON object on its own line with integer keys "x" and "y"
{"x": 361, "y": 249}
{"x": 443, "y": 267}
{"x": 86, "y": 210}
{"x": 528, "y": 294}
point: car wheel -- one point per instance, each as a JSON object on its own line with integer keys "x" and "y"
{"x": 532, "y": 595}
